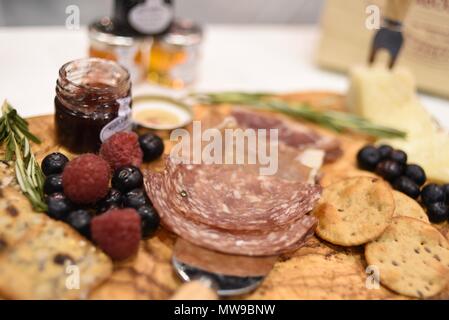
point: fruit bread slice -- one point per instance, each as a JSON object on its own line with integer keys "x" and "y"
{"x": 52, "y": 262}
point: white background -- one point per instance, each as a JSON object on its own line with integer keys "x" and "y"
{"x": 52, "y": 12}
{"x": 272, "y": 58}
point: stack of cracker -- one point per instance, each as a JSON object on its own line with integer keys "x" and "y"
{"x": 411, "y": 255}
{"x": 41, "y": 258}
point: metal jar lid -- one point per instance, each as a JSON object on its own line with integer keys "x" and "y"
{"x": 183, "y": 33}
{"x": 102, "y": 31}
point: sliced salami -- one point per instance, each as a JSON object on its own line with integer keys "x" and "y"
{"x": 253, "y": 243}
{"x": 233, "y": 198}
{"x": 291, "y": 133}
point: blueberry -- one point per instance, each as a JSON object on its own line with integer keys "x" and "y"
{"x": 446, "y": 192}
{"x": 152, "y": 146}
{"x": 399, "y": 156}
{"x": 58, "y": 206}
{"x": 432, "y": 193}
{"x": 389, "y": 170}
{"x": 80, "y": 221}
{"x": 416, "y": 173}
{"x": 113, "y": 199}
{"x": 135, "y": 199}
{"x": 149, "y": 219}
{"x": 54, "y": 163}
{"x": 407, "y": 186}
{"x": 368, "y": 157}
{"x": 53, "y": 184}
{"x": 438, "y": 212}
{"x": 127, "y": 178}
{"x": 385, "y": 151}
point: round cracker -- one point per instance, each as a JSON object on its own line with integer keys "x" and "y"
{"x": 412, "y": 257}
{"x": 354, "y": 211}
{"x": 407, "y": 207}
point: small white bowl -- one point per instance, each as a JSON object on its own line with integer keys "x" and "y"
{"x": 158, "y": 109}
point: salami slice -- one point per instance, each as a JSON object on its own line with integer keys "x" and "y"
{"x": 291, "y": 133}
{"x": 231, "y": 198}
{"x": 253, "y": 243}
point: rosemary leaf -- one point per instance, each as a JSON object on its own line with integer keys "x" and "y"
{"x": 19, "y": 177}
{"x": 335, "y": 120}
{"x": 15, "y": 137}
{"x": 9, "y": 148}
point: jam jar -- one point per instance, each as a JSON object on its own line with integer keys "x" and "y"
{"x": 93, "y": 101}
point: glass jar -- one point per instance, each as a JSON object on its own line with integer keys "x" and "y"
{"x": 132, "y": 53}
{"x": 93, "y": 101}
{"x": 175, "y": 55}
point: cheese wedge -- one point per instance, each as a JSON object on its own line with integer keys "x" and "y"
{"x": 389, "y": 98}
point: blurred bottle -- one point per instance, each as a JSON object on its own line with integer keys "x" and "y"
{"x": 143, "y": 17}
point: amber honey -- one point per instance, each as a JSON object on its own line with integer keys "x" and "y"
{"x": 174, "y": 56}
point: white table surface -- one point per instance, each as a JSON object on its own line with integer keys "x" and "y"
{"x": 271, "y": 58}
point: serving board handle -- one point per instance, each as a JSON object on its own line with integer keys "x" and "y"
{"x": 397, "y": 9}
{"x": 195, "y": 290}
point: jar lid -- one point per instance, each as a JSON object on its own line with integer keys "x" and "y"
{"x": 183, "y": 32}
{"x": 103, "y": 31}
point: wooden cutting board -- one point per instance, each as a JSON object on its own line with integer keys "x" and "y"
{"x": 318, "y": 270}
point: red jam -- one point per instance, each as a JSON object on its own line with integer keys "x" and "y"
{"x": 93, "y": 100}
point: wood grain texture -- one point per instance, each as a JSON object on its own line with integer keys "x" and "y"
{"x": 397, "y": 9}
{"x": 318, "y": 270}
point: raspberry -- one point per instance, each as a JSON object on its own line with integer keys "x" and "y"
{"x": 122, "y": 149}
{"x": 117, "y": 232}
{"x": 85, "y": 179}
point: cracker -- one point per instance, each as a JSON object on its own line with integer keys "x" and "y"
{"x": 407, "y": 207}
{"x": 40, "y": 265}
{"x": 17, "y": 217}
{"x": 412, "y": 257}
{"x": 354, "y": 211}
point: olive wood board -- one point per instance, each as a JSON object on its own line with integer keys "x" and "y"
{"x": 318, "y": 270}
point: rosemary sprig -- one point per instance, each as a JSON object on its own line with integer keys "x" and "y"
{"x": 15, "y": 138}
{"x": 335, "y": 120}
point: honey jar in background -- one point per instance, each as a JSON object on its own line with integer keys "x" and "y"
{"x": 133, "y": 53}
{"x": 175, "y": 55}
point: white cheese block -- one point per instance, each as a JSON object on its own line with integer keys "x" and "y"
{"x": 389, "y": 98}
